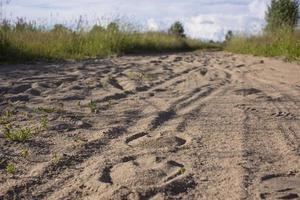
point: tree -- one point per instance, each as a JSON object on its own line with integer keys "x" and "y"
{"x": 229, "y": 36}
{"x": 282, "y": 14}
{"x": 177, "y": 29}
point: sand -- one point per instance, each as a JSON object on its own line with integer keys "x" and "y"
{"x": 203, "y": 125}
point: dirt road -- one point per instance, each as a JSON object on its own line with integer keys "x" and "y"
{"x": 206, "y": 125}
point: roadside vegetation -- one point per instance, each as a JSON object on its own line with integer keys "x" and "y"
{"x": 280, "y": 37}
{"x": 25, "y": 41}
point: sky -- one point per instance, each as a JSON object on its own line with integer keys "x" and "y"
{"x": 203, "y": 19}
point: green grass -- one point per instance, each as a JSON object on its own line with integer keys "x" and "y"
{"x": 93, "y": 106}
{"x": 18, "y": 134}
{"x": 47, "y": 110}
{"x": 138, "y": 76}
{"x": 282, "y": 43}
{"x": 27, "y": 43}
{"x": 10, "y": 168}
{"x": 24, "y": 153}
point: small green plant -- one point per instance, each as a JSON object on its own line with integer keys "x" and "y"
{"x": 110, "y": 77}
{"x": 25, "y": 115}
{"x": 104, "y": 84}
{"x": 18, "y": 134}
{"x": 55, "y": 158}
{"x": 2, "y": 161}
{"x": 24, "y": 153}
{"x": 109, "y": 104}
{"x": 10, "y": 168}
{"x": 93, "y": 106}
{"x": 139, "y": 76}
{"x": 133, "y": 75}
{"x": 45, "y": 110}
{"x": 181, "y": 171}
{"x": 44, "y": 122}
{"x": 6, "y": 117}
{"x": 8, "y": 113}
{"x": 3, "y": 121}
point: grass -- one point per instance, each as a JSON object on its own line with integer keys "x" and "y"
{"x": 138, "y": 76}
{"x": 93, "y": 106}
{"x": 24, "y": 153}
{"x": 55, "y": 158}
{"x": 10, "y": 168}
{"x": 25, "y": 42}
{"x": 18, "y": 134}
{"x": 47, "y": 110}
{"x": 44, "y": 122}
{"x": 282, "y": 43}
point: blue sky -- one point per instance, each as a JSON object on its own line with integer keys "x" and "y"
{"x": 205, "y": 19}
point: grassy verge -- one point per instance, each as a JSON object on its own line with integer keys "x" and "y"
{"x": 26, "y": 43}
{"x": 282, "y": 43}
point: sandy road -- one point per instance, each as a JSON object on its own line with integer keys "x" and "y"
{"x": 206, "y": 125}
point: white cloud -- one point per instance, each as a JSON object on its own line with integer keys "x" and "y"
{"x": 258, "y": 8}
{"x": 209, "y": 19}
{"x": 152, "y": 25}
{"x": 214, "y": 26}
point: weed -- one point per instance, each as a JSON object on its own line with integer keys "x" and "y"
{"x": 18, "y": 134}
{"x": 105, "y": 83}
{"x": 139, "y": 76}
{"x": 45, "y": 110}
{"x": 6, "y": 117}
{"x": 109, "y": 104}
{"x": 8, "y": 113}
{"x": 25, "y": 115}
{"x": 136, "y": 76}
{"x": 44, "y": 122}
{"x": 24, "y": 153}
{"x": 181, "y": 170}
{"x": 110, "y": 77}
{"x": 93, "y": 106}
{"x": 10, "y": 168}
{"x": 55, "y": 158}
{"x": 2, "y": 162}
{"x": 3, "y": 121}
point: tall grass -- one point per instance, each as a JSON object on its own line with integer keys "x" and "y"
{"x": 283, "y": 43}
{"x": 24, "y": 42}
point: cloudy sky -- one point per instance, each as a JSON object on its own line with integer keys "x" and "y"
{"x": 205, "y": 19}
